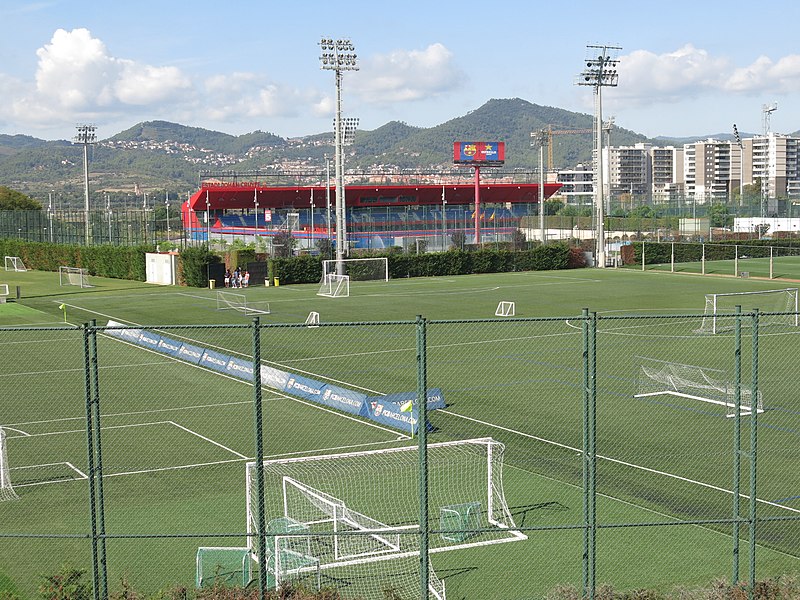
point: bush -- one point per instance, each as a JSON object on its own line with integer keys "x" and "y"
{"x": 194, "y": 264}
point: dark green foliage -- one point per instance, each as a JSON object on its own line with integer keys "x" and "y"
{"x": 308, "y": 269}
{"x": 68, "y": 584}
{"x": 14, "y": 200}
{"x": 282, "y": 244}
{"x": 117, "y": 262}
{"x": 661, "y": 252}
{"x": 194, "y": 265}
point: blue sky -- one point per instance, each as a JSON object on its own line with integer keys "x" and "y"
{"x": 686, "y": 68}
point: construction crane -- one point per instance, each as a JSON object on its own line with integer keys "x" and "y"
{"x": 551, "y": 132}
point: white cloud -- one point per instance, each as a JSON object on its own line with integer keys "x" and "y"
{"x": 402, "y": 75}
{"x": 765, "y": 75}
{"x": 670, "y": 77}
{"x": 246, "y": 95}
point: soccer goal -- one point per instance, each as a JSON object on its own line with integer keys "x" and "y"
{"x": 239, "y": 303}
{"x": 73, "y": 276}
{"x": 335, "y": 286}
{"x": 367, "y": 503}
{"x": 505, "y": 309}
{"x": 662, "y": 378}
{"x": 14, "y": 263}
{"x": 358, "y": 269}
{"x": 6, "y": 491}
{"x": 312, "y": 320}
{"x": 719, "y": 309}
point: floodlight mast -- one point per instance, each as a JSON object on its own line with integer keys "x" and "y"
{"x": 86, "y": 135}
{"x": 600, "y": 72}
{"x": 339, "y": 55}
{"x": 541, "y": 139}
{"x": 766, "y": 113}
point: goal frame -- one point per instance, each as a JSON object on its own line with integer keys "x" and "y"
{"x": 238, "y": 302}
{"x": 506, "y": 308}
{"x": 15, "y": 263}
{"x": 7, "y": 492}
{"x": 335, "y": 286}
{"x": 73, "y": 276}
{"x": 713, "y": 324}
{"x": 664, "y": 378}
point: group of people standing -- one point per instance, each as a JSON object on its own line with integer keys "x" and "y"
{"x": 237, "y": 279}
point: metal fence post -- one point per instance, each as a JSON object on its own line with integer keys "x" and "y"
{"x": 753, "y": 456}
{"x": 589, "y": 451}
{"x": 98, "y": 452}
{"x": 737, "y": 440}
{"x": 87, "y": 372}
{"x": 422, "y": 440}
{"x": 259, "y": 458}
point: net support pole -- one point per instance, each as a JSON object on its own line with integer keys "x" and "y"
{"x": 87, "y": 371}
{"x": 771, "y": 263}
{"x": 672, "y": 257}
{"x": 259, "y": 457}
{"x": 737, "y": 441}
{"x": 422, "y": 440}
{"x": 736, "y": 260}
{"x": 477, "y": 206}
{"x": 703, "y": 261}
{"x": 643, "y": 255}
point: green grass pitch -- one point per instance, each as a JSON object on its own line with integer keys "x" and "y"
{"x": 175, "y": 437}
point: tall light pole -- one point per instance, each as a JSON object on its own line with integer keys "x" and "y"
{"x": 444, "y": 222}
{"x": 741, "y": 163}
{"x": 312, "y": 218}
{"x": 338, "y": 56}
{"x": 766, "y": 113}
{"x": 86, "y": 135}
{"x": 166, "y": 206}
{"x": 208, "y": 221}
{"x": 541, "y": 139}
{"x": 600, "y": 72}
{"x": 328, "y": 201}
{"x": 108, "y": 211}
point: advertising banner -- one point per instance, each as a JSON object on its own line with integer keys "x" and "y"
{"x": 191, "y": 353}
{"x": 435, "y": 398}
{"x": 274, "y": 378}
{"x": 343, "y": 399}
{"x": 240, "y": 368}
{"x": 215, "y": 360}
{"x": 149, "y": 339}
{"x": 169, "y": 346}
{"x": 389, "y": 413}
{"x": 481, "y": 153}
{"x": 304, "y": 388}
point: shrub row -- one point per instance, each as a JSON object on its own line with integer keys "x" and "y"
{"x": 308, "y": 269}
{"x": 118, "y": 262}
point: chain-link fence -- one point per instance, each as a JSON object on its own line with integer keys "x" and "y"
{"x": 637, "y": 451}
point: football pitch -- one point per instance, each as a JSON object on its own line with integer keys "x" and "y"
{"x": 176, "y": 436}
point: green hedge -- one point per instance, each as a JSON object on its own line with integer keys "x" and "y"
{"x": 194, "y": 264}
{"x": 308, "y": 269}
{"x": 117, "y": 262}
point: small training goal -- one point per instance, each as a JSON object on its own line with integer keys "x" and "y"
{"x": 662, "y": 378}
{"x": 719, "y": 315}
{"x": 73, "y": 276}
{"x": 6, "y": 491}
{"x": 14, "y": 263}
{"x": 240, "y": 303}
{"x": 505, "y": 309}
{"x": 334, "y": 286}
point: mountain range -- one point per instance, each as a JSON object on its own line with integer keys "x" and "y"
{"x": 164, "y": 156}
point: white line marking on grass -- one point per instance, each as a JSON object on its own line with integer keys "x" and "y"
{"x": 83, "y": 369}
{"x": 102, "y": 428}
{"x": 175, "y": 468}
{"x": 207, "y": 439}
{"x": 616, "y": 460}
{"x": 81, "y": 474}
{"x": 19, "y": 431}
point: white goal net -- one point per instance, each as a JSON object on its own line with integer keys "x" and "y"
{"x": 6, "y": 491}
{"x": 239, "y": 303}
{"x": 361, "y": 509}
{"x": 720, "y": 308}
{"x": 505, "y": 309}
{"x": 358, "y": 269}
{"x": 14, "y": 263}
{"x": 73, "y": 276}
{"x": 335, "y": 286}
{"x": 662, "y": 378}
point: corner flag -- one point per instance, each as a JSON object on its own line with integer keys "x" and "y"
{"x": 64, "y": 308}
{"x": 407, "y": 406}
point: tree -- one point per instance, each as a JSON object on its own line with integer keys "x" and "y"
{"x": 518, "y": 240}
{"x": 458, "y": 239}
{"x": 14, "y": 200}
{"x": 718, "y": 215}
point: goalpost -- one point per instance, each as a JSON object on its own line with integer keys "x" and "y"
{"x": 73, "y": 276}
{"x": 239, "y": 303}
{"x": 662, "y": 378}
{"x": 14, "y": 263}
{"x": 6, "y": 491}
{"x": 505, "y": 309}
{"x": 358, "y": 269}
{"x": 335, "y": 286}
{"x": 720, "y": 308}
{"x": 377, "y": 492}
